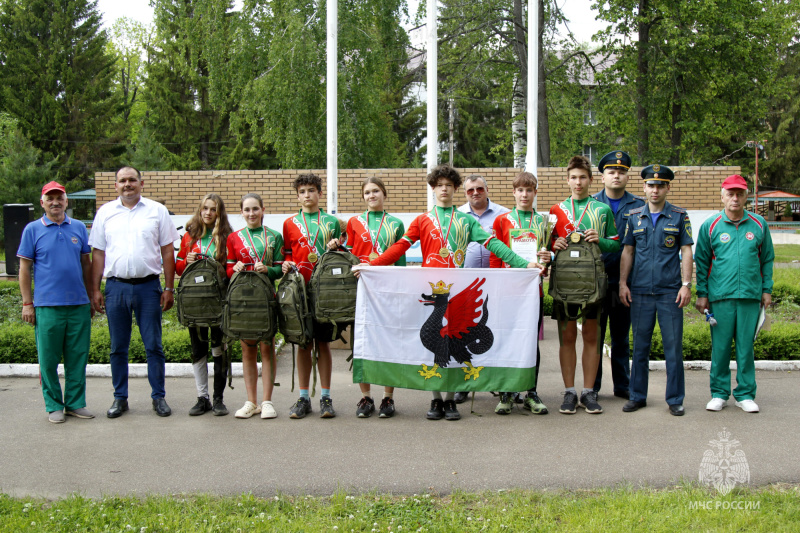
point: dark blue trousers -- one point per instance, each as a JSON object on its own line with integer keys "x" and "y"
{"x": 619, "y": 318}
{"x": 645, "y": 308}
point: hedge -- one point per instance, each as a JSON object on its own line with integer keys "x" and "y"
{"x": 18, "y": 345}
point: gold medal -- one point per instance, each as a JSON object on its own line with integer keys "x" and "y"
{"x": 458, "y": 257}
{"x": 312, "y": 257}
{"x": 575, "y": 237}
{"x": 445, "y": 253}
{"x": 373, "y": 256}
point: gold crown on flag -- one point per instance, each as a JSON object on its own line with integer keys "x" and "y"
{"x": 440, "y": 288}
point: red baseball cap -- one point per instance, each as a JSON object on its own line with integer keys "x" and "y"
{"x": 734, "y": 182}
{"x": 53, "y": 186}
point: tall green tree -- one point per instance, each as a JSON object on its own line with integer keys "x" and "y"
{"x": 188, "y": 89}
{"x": 283, "y": 105}
{"x": 484, "y": 66}
{"x": 56, "y": 79}
{"x": 130, "y": 44}
{"x": 691, "y": 80}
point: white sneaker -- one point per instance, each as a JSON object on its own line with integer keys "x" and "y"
{"x": 248, "y": 410}
{"x": 716, "y": 404}
{"x": 748, "y": 406}
{"x": 268, "y": 410}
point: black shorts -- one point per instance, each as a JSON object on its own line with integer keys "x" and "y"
{"x": 590, "y": 312}
{"x": 322, "y": 332}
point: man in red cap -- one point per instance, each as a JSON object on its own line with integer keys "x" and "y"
{"x": 734, "y": 257}
{"x": 57, "y": 247}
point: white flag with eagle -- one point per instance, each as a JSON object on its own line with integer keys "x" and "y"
{"x": 444, "y": 329}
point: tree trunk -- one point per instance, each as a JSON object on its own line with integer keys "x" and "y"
{"x": 521, "y": 86}
{"x": 544, "y": 119}
{"x": 642, "y": 70}
{"x": 676, "y": 133}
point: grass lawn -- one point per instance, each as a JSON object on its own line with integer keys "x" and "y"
{"x": 775, "y": 508}
{"x": 786, "y": 253}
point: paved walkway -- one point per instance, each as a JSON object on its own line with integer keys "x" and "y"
{"x": 141, "y": 453}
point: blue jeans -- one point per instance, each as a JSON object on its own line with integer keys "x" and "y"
{"x": 644, "y": 309}
{"x": 143, "y": 300}
{"x": 619, "y": 318}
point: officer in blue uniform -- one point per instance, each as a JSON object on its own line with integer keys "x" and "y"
{"x": 658, "y": 249}
{"x": 614, "y": 166}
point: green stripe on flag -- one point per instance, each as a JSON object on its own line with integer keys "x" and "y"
{"x": 418, "y": 377}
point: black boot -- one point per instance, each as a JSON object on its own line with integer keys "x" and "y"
{"x": 220, "y": 377}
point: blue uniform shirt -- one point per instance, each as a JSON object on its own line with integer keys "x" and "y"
{"x": 56, "y": 250}
{"x": 657, "y": 263}
{"x": 626, "y": 204}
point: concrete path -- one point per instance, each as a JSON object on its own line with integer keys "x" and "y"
{"x": 141, "y": 453}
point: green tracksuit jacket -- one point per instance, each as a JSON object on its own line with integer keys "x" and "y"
{"x": 734, "y": 260}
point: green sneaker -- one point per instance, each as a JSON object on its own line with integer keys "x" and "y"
{"x": 504, "y": 407}
{"x": 534, "y": 404}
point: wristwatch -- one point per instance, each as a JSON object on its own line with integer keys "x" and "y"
{"x": 687, "y": 284}
{"x": 169, "y": 289}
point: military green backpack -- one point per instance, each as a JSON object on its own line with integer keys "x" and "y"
{"x": 201, "y": 293}
{"x": 294, "y": 317}
{"x": 578, "y": 275}
{"x": 251, "y": 309}
{"x": 333, "y": 290}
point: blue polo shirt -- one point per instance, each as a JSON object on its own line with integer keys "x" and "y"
{"x": 56, "y": 250}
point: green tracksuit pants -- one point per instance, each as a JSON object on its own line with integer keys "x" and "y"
{"x": 736, "y": 320}
{"x": 63, "y": 331}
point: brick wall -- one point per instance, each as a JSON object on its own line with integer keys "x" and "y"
{"x": 695, "y": 188}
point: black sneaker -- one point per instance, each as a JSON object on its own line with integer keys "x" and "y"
{"x": 219, "y": 407}
{"x": 461, "y": 397}
{"x": 589, "y": 402}
{"x": 301, "y": 408}
{"x": 568, "y": 406}
{"x": 436, "y": 411}
{"x": 326, "y": 407}
{"x": 366, "y": 406}
{"x": 387, "y": 408}
{"x": 451, "y": 411}
{"x": 201, "y": 407}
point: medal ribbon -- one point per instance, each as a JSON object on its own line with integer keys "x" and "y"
{"x": 253, "y": 245}
{"x": 519, "y": 220}
{"x": 446, "y": 241}
{"x": 308, "y": 231}
{"x": 578, "y": 225}
{"x": 210, "y": 242}
{"x": 377, "y": 235}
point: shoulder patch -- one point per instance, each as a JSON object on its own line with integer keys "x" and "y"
{"x": 678, "y": 209}
{"x": 636, "y": 211}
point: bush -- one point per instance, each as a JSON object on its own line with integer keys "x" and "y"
{"x": 18, "y": 344}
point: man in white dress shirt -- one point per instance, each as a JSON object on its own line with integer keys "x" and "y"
{"x": 132, "y": 237}
{"x": 479, "y": 206}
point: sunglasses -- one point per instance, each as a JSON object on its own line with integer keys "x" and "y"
{"x": 479, "y": 190}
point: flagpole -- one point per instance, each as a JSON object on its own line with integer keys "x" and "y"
{"x": 432, "y": 90}
{"x": 331, "y": 82}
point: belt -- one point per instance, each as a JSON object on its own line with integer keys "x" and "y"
{"x": 136, "y": 281}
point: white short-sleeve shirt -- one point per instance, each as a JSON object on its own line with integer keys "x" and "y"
{"x": 132, "y": 238}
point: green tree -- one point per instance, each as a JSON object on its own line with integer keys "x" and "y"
{"x": 188, "y": 89}
{"x": 283, "y": 105}
{"x": 692, "y": 79}
{"x": 56, "y": 80}
{"x": 146, "y": 154}
{"x": 129, "y": 45}
{"x": 484, "y": 69}
{"x": 782, "y": 169}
